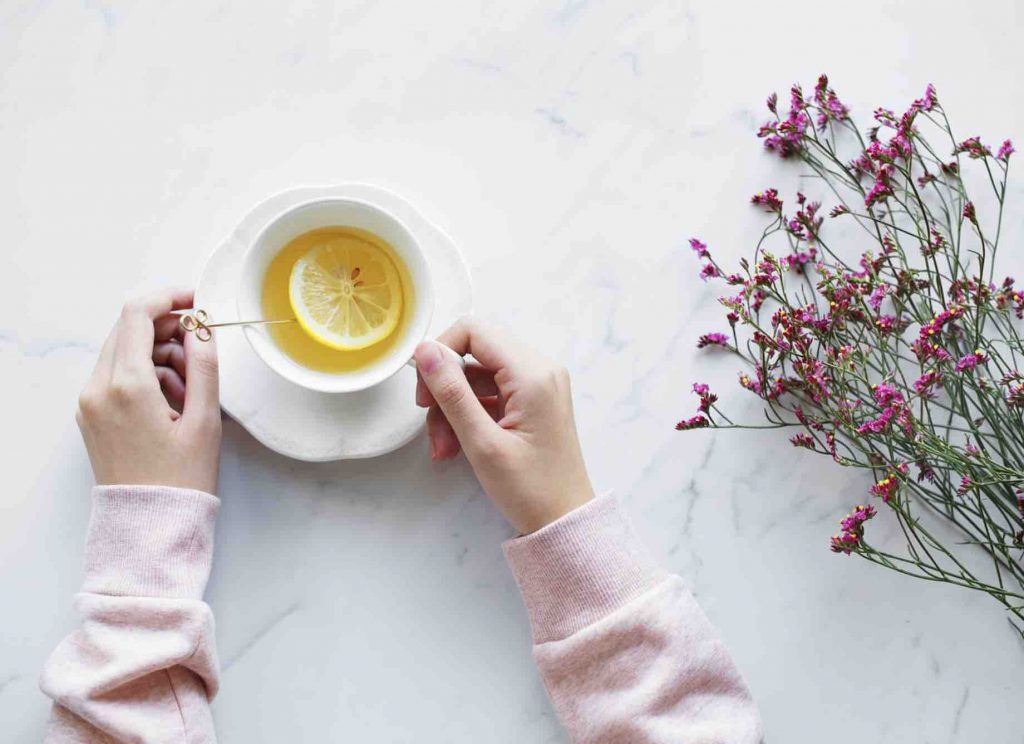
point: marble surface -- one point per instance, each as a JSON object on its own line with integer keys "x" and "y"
{"x": 569, "y": 148}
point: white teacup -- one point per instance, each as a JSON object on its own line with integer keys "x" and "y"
{"x": 335, "y": 212}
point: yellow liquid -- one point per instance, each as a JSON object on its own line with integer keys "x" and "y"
{"x": 290, "y": 337}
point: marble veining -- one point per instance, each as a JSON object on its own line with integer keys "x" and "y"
{"x": 569, "y": 149}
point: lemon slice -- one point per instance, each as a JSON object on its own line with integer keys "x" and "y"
{"x": 346, "y": 294}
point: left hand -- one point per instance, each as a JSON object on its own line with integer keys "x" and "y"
{"x": 150, "y": 413}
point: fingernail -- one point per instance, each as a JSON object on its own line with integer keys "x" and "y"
{"x": 428, "y": 357}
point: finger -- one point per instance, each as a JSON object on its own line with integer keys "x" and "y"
{"x": 138, "y": 333}
{"x": 480, "y": 379}
{"x": 167, "y": 327}
{"x": 170, "y": 354}
{"x": 202, "y": 391}
{"x": 448, "y": 385}
{"x": 494, "y": 406}
{"x": 444, "y": 445}
{"x": 493, "y": 348}
{"x": 105, "y": 362}
{"x": 173, "y": 387}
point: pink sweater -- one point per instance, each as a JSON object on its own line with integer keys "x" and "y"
{"x": 623, "y": 649}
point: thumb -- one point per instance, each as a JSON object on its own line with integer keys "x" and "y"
{"x": 440, "y": 371}
{"x": 202, "y": 384}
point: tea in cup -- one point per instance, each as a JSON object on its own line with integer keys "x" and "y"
{"x": 358, "y": 284}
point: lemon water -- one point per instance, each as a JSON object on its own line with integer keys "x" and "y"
{"x": 297, "y": 343}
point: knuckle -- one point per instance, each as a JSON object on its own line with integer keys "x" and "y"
{"x": 88, "y": 404}
{"x": 123, "y": 391}
{"x": 206, "y": 364}
{"x": 132, "y": 307}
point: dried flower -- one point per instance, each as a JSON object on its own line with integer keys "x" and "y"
{"x": 970, "y": 361}
{"x": 852, "y": 530}
{"x": 973, "y": 148}
{"x": 969, "y": 213}
{"x": 828, "y": 349}
{"x": 694, "y": 422}
{"x": 769, "y": 199}
{"x": 802, "y": 440}
{"x": 712, "y": 339}
{"x": 1005, "y": 151}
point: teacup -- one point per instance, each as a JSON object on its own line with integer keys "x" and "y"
{"x": 325, "y": 213}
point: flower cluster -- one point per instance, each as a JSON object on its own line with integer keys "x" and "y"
{"x": 707, "y": 398}
{"x": 694, "y": 422}
{"x": 712, "y": 339}
{"x": 851, "y": 532}
{"x": 902, "y": 354}
{"x": 888, "y": 486}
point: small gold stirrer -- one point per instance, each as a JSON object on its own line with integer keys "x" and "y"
{"x": 197, "y": 323}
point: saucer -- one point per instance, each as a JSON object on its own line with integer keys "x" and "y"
{"x": 305, "y": 424}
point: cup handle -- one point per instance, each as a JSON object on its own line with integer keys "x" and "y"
{"x": 460, "y": 359}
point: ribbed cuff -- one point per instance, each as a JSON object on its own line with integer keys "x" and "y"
{"x": 579, "y": 569}
{"x": 149, "y": 541}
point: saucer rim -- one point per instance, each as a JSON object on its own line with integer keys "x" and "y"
{"x": 260, "y": 434}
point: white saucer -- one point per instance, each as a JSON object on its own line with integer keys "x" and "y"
{"x": 305, "y": 424}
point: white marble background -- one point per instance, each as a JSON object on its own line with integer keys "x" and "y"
{"x": 570, "y": 148}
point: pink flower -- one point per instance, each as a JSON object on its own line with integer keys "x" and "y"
{"x": 712, "y": 339}
{"x": 939, "y": 322}
{"x": 708, "y": 272}
{"x": 773, "y": 102}
{"x": 875, "y": 300}
{"x": 786, "y": 136}
{"x": 852, "y": 530}
{"x": 1005, "y": 151}
{"x": 927, "y": 103}
{"x": 973, "y": 147}
{"x": 695, "y": 422}
{"x": 769, "y": 199}
{"x": 887, "y": 324}
{"x": 969, "y": 213}
{"x": 970, "y": 361}
{"x": 857, "y": 517}
{"x": 890, "y": 484}
{"x": 926, "y": 383}
{"x": 882, "y": 188}
{"x": 838, "y": 210}
{"x": 934, "y": 244}
{"x": 699, "y": 248}
{"x": 966, "y": 484}
{"x": 830, "y": 108}
{"x": 844, "y": 543}
{"x": 707, "y": 398}
{"x": 802, "y": 440}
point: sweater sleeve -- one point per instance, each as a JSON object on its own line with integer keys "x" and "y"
{"x": 142, "y": 666}
{"x": 622, "y": 647}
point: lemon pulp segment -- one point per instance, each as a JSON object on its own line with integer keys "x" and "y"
{"x": 346, "y": 294}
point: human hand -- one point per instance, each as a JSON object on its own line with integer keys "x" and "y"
{"x": 150, "y": 412}
{"x": 512, "y": 415}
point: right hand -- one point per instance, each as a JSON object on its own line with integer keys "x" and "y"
{"x": 512, "y": 415}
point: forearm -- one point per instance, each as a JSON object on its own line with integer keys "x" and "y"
{"x": 625, "y": 652}
{"x": 142, "y": 666}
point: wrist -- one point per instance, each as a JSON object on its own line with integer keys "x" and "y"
{"x": 553, "y": 509}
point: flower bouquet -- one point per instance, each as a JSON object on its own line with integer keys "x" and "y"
{"x": 900, "y": 359}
